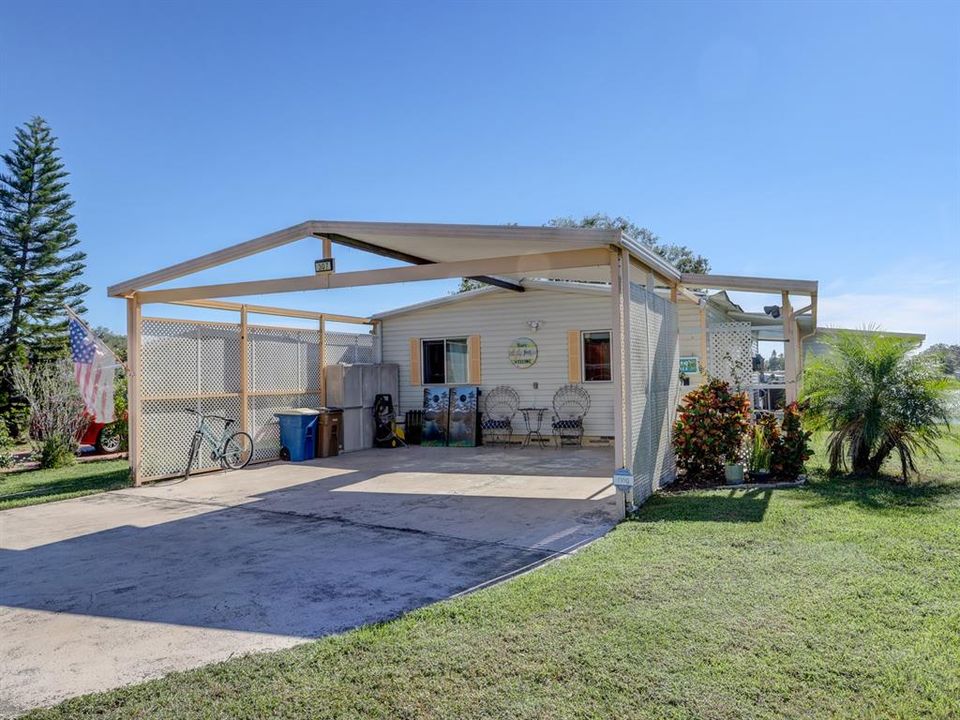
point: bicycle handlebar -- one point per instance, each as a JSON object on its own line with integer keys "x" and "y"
{"x": 202, "y": 415}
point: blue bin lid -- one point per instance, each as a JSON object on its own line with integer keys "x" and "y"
{"x": 297, "y": 411}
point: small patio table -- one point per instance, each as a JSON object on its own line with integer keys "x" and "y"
{"x": 533, "y": 419}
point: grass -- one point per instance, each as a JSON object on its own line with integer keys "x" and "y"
{"x": 31, "y": 487}
{"x": 837, "y": 599}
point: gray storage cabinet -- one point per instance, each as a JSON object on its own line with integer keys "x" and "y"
{"x": 354, "y": 387}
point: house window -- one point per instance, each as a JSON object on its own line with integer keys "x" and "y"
{"x": 596, "y": 356}
{"x": 444, "y": 361}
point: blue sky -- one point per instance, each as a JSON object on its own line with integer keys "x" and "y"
{"x": 808, "y": 140}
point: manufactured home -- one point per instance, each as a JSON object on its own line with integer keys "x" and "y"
{"x": 587, "y": 314}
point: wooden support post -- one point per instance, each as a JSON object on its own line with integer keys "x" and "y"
{"x": 327, "y": 248}
{"x": 627, "y": 369}
{"x": 703, "y": 338}
{"x": 620, "y": 350}
{"x": 619, "y": 359}
{"x": 244, "y": 372}
{"x": 322, "y": 345}
{"x": 134, "y": 406}
{"x": 790, "y": 351}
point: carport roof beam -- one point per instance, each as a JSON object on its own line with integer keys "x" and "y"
{"x": 745, "y": 283}
{"x": 269, "y": 310}
{"x": 540, "y": 262}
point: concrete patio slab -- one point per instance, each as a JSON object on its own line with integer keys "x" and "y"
{"x": 115, "y": 588}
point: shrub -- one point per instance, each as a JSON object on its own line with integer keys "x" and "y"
{"x": 710, "y": 429}
{"x": 120, "y": 425}
{"x": 792, "y": 447}
{"x": 876, "y": 398}
{"x": 6, "y": 446}
{"x": 56, "y": 410}
{"x": 56, "y": 451}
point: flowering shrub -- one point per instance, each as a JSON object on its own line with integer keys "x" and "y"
{"x": 792, "y": 448}
{"x": 710, "y": 429}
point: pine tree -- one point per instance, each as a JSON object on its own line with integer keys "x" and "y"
{"x": 40, "y": 264}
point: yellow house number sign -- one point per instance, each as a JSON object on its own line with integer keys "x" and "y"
{"x": 522, "y": 353}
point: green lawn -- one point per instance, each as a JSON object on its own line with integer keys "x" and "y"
{"x": 838, "y": 599}
{"x": 31, "y": 487}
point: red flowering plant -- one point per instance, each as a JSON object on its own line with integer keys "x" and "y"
{"x": 710, "y": 429}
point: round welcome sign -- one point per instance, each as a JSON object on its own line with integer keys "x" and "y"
{"x": 522, "y": 352}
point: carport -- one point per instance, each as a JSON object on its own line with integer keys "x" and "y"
{"x": 643, "y": 333}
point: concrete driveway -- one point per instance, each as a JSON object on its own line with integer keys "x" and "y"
{"x": 120, "y": 587}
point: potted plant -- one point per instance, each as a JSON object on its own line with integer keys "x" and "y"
{"x": 733, "y": 470}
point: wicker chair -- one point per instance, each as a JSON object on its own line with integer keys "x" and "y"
{"x": 499, "y": 407}
{"x": 570, "y": 406}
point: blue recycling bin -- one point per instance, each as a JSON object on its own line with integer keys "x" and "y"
{"x": 298, "y": 433}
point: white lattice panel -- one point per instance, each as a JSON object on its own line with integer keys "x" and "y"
{"x": 283, "y": 359}
{"x": 341, "y": 347}
{"x": 219, "y": 359}
{"x": 654, "y": 369}
{"x": 197, "y": 364}
{"x": 169, "y": 358}
{"x": 731, "y": 350}
{"x": 167, "y": 430}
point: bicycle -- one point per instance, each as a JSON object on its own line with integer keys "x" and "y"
{"x": 233, "y": 450}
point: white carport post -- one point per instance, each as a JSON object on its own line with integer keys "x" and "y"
{"x": 133, "y": 386}
{"x": 620, "y": 346}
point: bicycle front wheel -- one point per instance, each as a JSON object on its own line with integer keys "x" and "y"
{"x": 237, "y": 451}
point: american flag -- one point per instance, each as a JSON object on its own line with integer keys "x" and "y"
{"x": 93, "y": 366}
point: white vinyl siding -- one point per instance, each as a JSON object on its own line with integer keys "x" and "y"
{"x": 499, "y": 318}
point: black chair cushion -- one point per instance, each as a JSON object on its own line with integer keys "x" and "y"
{"x": 495, "y": 424}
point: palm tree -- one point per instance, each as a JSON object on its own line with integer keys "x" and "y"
{"x": 876, "y": 397}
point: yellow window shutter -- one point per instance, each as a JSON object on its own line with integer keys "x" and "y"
{"x": 473, "y": 356}
{"x": 573, "y": 356}
{"x": 415, "y": 374}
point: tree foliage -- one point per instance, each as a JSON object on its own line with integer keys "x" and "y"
{"x": 468, "y": 284}
{"x": 40, "y": 264}
{"x": 115, "y": 341}
{"x": 876, "y": 398}
{"x": 681, "y": 256}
